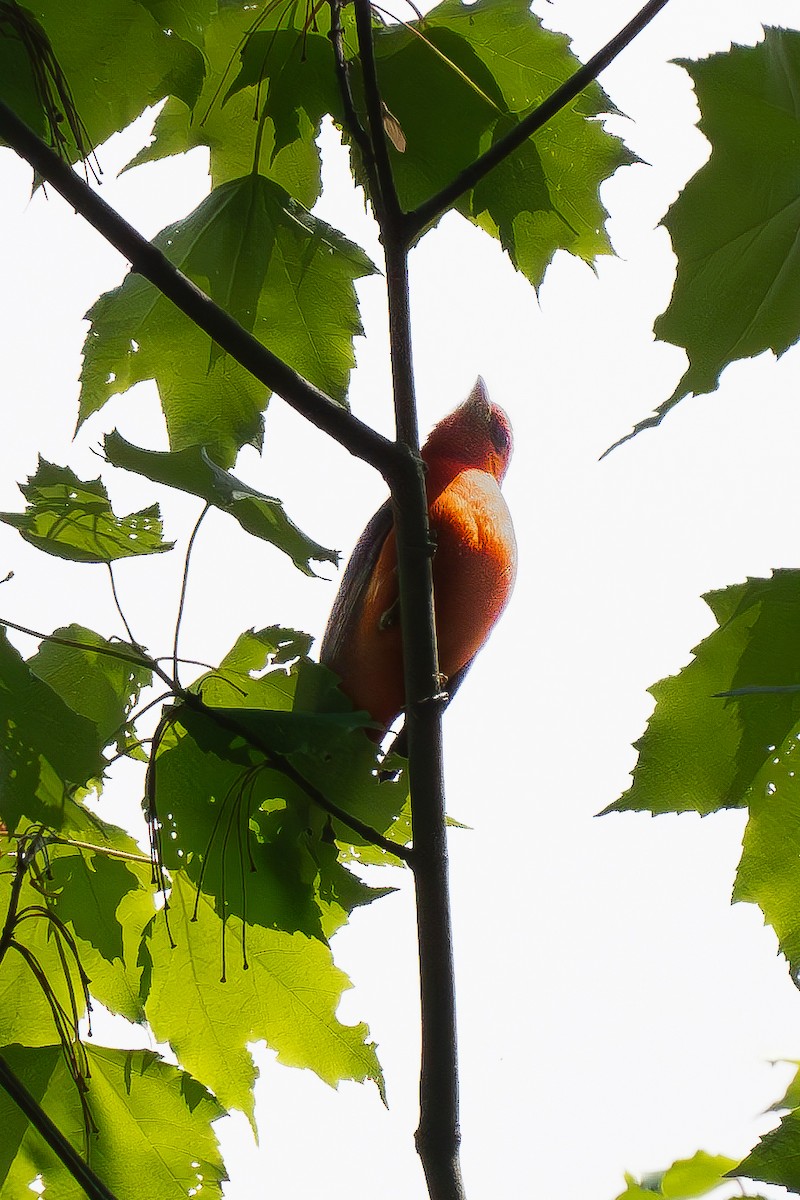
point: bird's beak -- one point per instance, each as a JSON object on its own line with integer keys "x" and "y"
{"x": 479, "y": 396}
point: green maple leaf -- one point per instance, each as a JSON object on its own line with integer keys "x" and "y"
{"x": 288, "y": 996}
{"x": 482, "y": 67}
{"x": 191, "y": 470}
{"x": 280, "y": 272}
{"x": 245, "y": 831}
{"x": 769, "y": 870}
{"x": 97, "y": 685}
{"x": 226, "y": 117}
{"x": 106, "y": 903}
{"x": 686, "y": 1179}
{"x": 734, "y": 226}
{"x": 48, "y": 751}
{"x": 726, "y": 734}
{"x": 186, "y": 18}
{"x": 328, "y": 750}
{"x": 294, "y": 71}
{"x": 93, "y": 44}
{"x": 791, "y": 1097}
{"x": 776, "y": 1158}
{"x": 99, "y": 894}
{"x": 73, "y": 519}
{"x": 703, "y": 751}
{"x": 154, "y": 1132}
{"x": 26, "y": 1015}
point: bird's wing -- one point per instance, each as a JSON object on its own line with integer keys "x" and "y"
{"x": 350, "y": 597}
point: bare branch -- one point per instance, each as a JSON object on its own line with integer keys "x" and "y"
{"x": 438, "y": 1135}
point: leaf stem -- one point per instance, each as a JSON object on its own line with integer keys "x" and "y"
{"x": 430, "y": 210}
{"x": 107, "y": 851}
{"x": 184, "y": 584}
{"x": 119, "y": 606}
{"x": 137, "y": 660}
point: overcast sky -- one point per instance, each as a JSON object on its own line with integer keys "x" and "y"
{"x": 615, "y": 1012}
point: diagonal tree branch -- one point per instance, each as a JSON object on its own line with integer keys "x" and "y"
{"x": 357, "y": 437}
{"x": 416, "y": 222}
{"x": 438, "y": 1135}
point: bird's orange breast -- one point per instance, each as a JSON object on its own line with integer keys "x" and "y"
{"x": 474, "y": 566}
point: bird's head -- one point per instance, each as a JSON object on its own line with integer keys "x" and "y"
{"x": 476, "y": 434}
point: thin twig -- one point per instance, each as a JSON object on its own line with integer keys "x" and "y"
{"x": 191, "y": 662}
{"x": 119, "y": 606}
{"x": 137, "y": 742}
{"x": 430, "y": 210}
{"x": 184, "y": 583}
{"x": 138, "y": 661}
{"x": 106, "y": 851}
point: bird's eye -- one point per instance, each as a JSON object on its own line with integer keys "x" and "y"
{"x": 500, "y": 434}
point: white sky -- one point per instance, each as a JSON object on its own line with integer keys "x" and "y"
{"x": 615, "y": 1012}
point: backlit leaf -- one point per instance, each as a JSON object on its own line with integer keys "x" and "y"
{"x": 193, "y": 471}
{"x": 288, "y": 996}
{"x": 283, "y": 274}
{"x": 106, "y": 903}
{"x": 103, "y": 687}
{"x": 73, "y": 519}
{"x": 227, "y": 115}
{"x": 776, "y": 1158}
{"x": 480, "y": 68}
{"x": 703, "y": 751}
{"x": 154, "y": 1133}
{"x": 734, "y": 226}
{"x": 94, "y": 44}
{"x": 47, "y": 750}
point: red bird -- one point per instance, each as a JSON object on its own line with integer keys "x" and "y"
{"x": 474, "y": 564}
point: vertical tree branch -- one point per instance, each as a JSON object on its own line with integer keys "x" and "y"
{"x": 438, "y": 1135}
